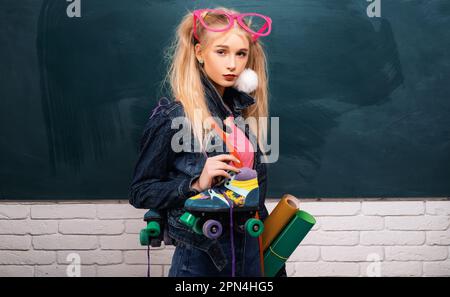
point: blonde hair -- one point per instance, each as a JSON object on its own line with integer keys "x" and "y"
{"x": 185, "y": 81}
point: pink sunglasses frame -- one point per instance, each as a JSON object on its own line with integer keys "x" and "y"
{"x": 255, "y": 35}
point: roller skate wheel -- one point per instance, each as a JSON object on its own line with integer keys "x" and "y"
{"x": 212, "y": 229}
{"x": 197, "y": 227}
{"x": 153, "y": 229}
{"x": 144, "y": 237}
{"x": 254, "y": 227}
{"x": 188, "y": 219}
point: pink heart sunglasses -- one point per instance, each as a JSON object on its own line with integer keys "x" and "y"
{"x": 267, "y": 22}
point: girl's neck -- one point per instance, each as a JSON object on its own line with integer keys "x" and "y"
{"x": 220, "y": 89}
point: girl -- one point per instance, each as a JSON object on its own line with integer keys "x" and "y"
{"x": 217, "y": 69}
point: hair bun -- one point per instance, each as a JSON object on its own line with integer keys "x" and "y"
{"x": 247, "y": 81}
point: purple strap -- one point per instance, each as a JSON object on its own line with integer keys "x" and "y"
{"x": 159, "y": 105}
{"x": 232, "y": 243}
{"x": 233, "y": 258}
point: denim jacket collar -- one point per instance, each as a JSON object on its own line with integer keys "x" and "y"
{"x": 237, "y": 100}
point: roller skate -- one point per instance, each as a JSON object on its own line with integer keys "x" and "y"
{"x": 156, "y": 230}
{"x": 207, "y": 211}
{"x": 154, "y": 233}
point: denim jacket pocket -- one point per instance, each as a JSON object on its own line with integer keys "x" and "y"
{"x": 183, "y": 234}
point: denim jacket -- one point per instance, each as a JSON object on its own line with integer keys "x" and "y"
{"x": 163, "y": 178}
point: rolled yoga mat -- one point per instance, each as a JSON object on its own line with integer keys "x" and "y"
{"x": 286, "y": 242}
{"x": 278, "y": 219}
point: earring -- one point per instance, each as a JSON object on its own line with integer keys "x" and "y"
{"x": 201, "y": 61}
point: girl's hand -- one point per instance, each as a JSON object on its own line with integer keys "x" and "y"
{"x": 214, "y": 168}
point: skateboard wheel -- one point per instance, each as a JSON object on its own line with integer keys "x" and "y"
{"x": 144, "y": 237}
{"x": 212, "y": 229}
{"x": 153, "y": 229}
{"x": 254, "y": 227}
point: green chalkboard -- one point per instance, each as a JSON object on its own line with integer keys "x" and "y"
{"x": 363, "y": 102}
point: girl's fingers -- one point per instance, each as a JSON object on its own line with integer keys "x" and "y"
{"x": 221, "y": 173}
{"x": 218, "y": 165}
{"x": 227, "y": 157}
{"x": 232, "y": 168}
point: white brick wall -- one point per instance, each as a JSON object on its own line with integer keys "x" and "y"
{"x": 351, "y": 238}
